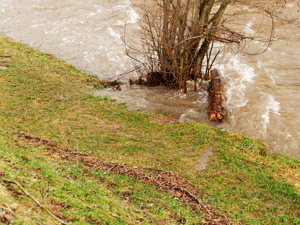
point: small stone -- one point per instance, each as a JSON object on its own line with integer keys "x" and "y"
{"x": 3, "y": 67}
{"x": 6, "y": 59}
{"x": 14, "y": 206}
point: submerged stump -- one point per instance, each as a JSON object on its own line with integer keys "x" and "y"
{"x": 216, "y": 110}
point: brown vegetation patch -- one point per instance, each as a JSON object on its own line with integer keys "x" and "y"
{"x": 58, "y": 205}
{"x": 6, "y": 214}
{"x": 163, "y": 180}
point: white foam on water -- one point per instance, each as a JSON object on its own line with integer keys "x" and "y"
{"x": 89, "y": 57}
{"x": 248, "y": 29}
{"x": 113, "y": 33}
{"x": 6, "y": 20}
{"x": 247, "y": 72}
{"x": 271, "y": 106}
{"x": 125, "y": 4}
{"x": 37, "y": 25}
{"x": 240, "y": 75}
{"x": 74, "y": 21}
{"x": 269, "y": 73}
{"x": 189, "y": 116}
{"x": 98, "y": 11}
{"x": 290, "y": 5}
{"x": 182, "y": 96}
{"x": 133, "y": 16}
{"x": 4, "y": 3}
{"x": 69, "y": 39}
{"x": 260, "y": 64}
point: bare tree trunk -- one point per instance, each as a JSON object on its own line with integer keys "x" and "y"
{"x": 215, "y": 21}
{"x": 180, "y": 38}
{"x": 164, "y": 59}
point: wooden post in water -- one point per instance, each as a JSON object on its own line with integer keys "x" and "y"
{"x": 216, "y": 110}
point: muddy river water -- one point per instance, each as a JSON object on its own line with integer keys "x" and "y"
{"x": 263, "y": 91}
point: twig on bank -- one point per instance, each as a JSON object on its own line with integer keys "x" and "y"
{"x": 241, "y": 180}
{"x": 111, "y": 168}
{"x": 33, "y": 199}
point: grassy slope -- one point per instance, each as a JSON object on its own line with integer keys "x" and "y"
{"x": 45, "y": 97}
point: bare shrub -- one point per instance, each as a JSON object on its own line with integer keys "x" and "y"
{"x": 178, "y": 36}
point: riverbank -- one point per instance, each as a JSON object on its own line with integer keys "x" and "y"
{"x": 44, "y": 97}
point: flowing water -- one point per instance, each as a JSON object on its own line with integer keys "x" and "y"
{"x": 263, "y": 91}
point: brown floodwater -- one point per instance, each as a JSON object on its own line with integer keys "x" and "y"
{"x": 263, "y": 91}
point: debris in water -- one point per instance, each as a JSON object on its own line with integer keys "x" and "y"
{"x": 115, "y": 84}
{"x": 156, "y": 79}
{"x": 216, "y": 110}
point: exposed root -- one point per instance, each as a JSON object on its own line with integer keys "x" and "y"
{"x": 163, "y": 180}
{"x": 156, "y": 79}
{"x": 168, "y": 80}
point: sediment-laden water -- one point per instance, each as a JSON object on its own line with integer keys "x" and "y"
{"x": 263, "y": 91}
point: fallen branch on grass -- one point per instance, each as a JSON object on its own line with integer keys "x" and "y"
{"x": 33, "y": 199}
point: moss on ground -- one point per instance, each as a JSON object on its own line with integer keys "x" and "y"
{"x": 45, "y": 97}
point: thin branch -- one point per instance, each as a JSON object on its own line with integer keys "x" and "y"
{"x": 33, "y": 199}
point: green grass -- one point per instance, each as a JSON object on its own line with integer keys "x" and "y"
{"x": 84, "y": 196}
{"x": 43, "y": 96}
